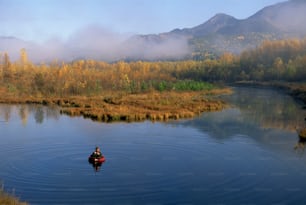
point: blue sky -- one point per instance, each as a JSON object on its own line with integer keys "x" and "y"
{"x": 40, "y": 20}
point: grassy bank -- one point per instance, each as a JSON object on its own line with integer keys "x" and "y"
{"x": 118, "y": 106}
{"x": 139, "y": 107}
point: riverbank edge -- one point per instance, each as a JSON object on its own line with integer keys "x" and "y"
{"x": 154, "y": 106}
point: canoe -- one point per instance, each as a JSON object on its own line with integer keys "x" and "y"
{"x": 96, "y": 160}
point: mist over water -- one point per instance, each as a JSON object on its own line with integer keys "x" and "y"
{"x": 98, "y": 43}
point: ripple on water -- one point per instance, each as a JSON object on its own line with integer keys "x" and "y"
{"x": 145, "y": 163}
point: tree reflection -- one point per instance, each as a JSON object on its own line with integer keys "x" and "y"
{"x": 5, "y": 113}
{"x": 24, "y": 112}
{"x": 52, "y": 113}
{"x": 300, "y": 146}
{"x": 267, "y": 116}
{"x": 39, "y": 115}
{"x": 268, "y": 108}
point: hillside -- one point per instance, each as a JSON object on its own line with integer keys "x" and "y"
{"x": 221, "y": 33}
{"x": 225, "y": 33}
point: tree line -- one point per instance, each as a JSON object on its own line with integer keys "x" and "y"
{"x": 282, "y": 60}
{"x": 90, "y": 77}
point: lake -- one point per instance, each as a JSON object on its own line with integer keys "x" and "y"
{"x": 247, "y": 154}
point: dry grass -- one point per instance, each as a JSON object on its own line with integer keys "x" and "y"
{"x": 138, "y": 107}
{"x": 6, "y": 199}
{"x": 132, "y": 107}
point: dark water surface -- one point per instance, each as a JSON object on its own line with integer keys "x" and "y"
{"x": 241, "y": 155}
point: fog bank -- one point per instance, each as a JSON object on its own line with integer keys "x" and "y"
{"x": 94, "y": 42}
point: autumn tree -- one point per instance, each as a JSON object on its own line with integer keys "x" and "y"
{"x": 6, "y": 67}
{"x": 23, "y": 56}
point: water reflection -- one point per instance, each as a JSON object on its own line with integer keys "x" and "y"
{"x": 96, "y": 165}
{"x": 39, "y": 115}
{"x": 5, "y": 111}
{"x": 269, "y": 117}
{"x": 23, "y": 113}
{"x": 38, "y": 112}
{"x": 254, "y": 112}
{"x": 268, "y": 108}
{"x": 156, "y": 162}
{"x": 300, "y": 146}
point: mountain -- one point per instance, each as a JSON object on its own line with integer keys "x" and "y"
{"x": 287, "y": 17}
{"x": 214, "y": 25}
{"x": 224, "y": 33}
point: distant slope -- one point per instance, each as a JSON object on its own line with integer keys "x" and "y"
{"x": 288, "y": 17}
{"x": 224, "y": 33}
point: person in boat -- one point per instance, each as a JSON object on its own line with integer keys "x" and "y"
{"x": 96, "y": 154}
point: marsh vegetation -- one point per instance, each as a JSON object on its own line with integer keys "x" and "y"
{"x": 6, "y": 199}
{"x": 148, "y": 90}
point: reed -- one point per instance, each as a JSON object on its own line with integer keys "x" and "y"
{"x": 6, "y": 199}
{"x": 155, "y": 106}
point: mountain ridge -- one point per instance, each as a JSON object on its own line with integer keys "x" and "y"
{"x": 221, "y": 33}
{"x": 225, "y": 33}
{"x": 273, "y": 16}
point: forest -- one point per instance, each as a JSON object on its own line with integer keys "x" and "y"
{"x": 90, "y": 78}
{"x": 282, "y": 60}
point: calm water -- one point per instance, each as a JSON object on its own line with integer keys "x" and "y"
{"x": 242, "y": 155}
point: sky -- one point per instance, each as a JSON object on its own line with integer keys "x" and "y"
{"x": 42, "y": 20}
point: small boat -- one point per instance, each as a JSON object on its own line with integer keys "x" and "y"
{"x": 96, "y": 160}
